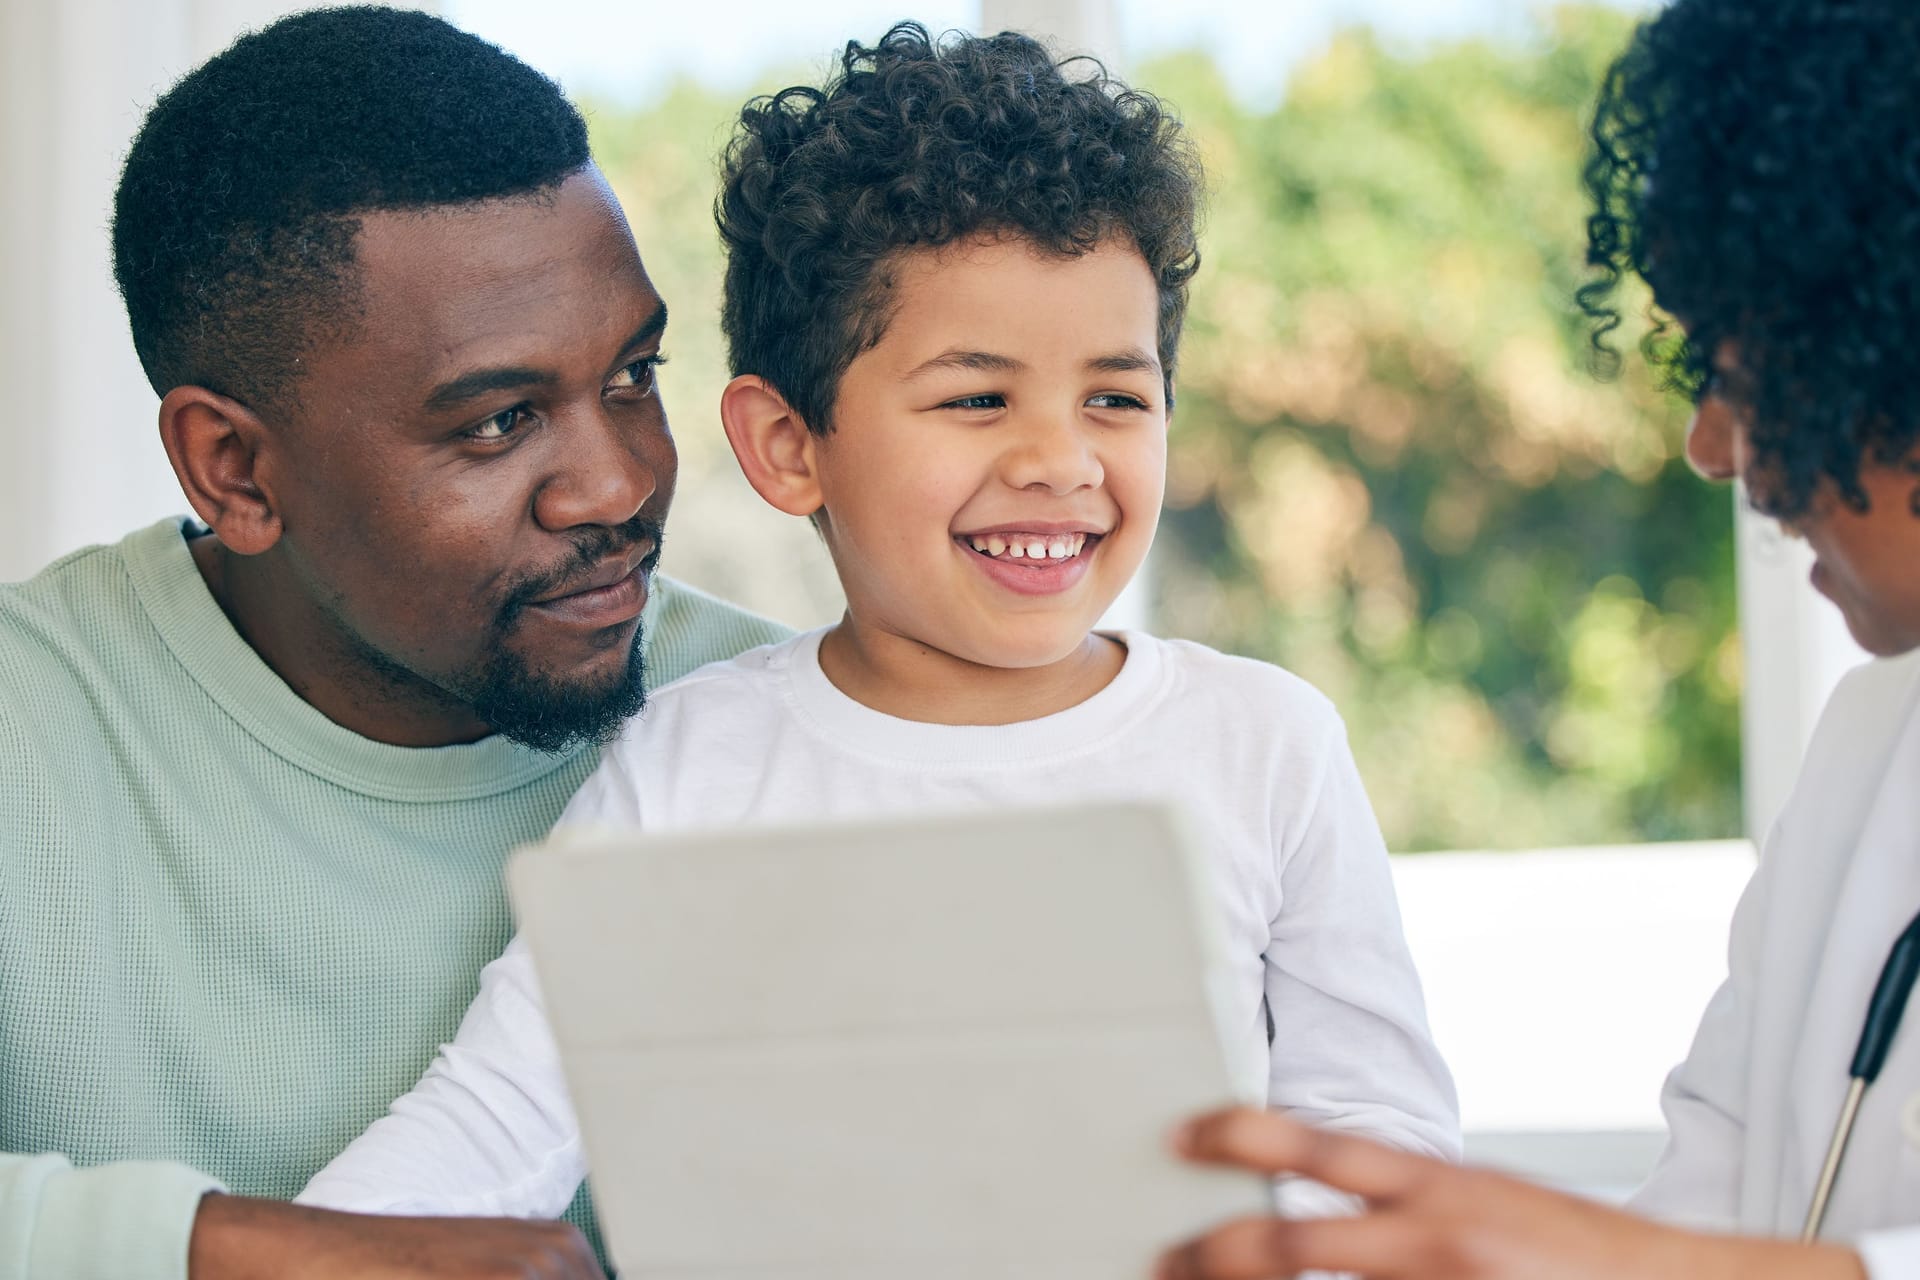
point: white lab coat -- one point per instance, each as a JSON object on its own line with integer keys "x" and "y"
{"x": 1752, "y": 1108}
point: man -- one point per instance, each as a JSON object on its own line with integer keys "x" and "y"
{"x": 262, "y": 775}
{"x": 1757, "y": 165}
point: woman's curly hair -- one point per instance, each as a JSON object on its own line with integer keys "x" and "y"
{"x": 1757, "y": 162}
{"x": 916, "y": 143}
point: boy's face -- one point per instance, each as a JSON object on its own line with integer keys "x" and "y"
{"x": 994, "y": 474}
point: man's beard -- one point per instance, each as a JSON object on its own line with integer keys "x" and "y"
{"x": 535, "y": 710}
{"x": 532, "y": 707}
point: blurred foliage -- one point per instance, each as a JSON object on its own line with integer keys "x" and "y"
{"x": 1392, "y": 470}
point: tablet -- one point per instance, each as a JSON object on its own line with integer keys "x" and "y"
{"x": 922, "y": 1050}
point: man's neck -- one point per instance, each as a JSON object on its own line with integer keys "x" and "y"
{"x": 910, "y": 680}
{"x": 306, "y": 647}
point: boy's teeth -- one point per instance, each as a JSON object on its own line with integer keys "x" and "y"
{"x": 1061, "y": 548}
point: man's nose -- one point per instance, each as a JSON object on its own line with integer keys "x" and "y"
{"x": 600, "y": 478}
{"x": 1710, "y": 439}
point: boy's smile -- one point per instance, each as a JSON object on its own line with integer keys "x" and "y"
{"x": 1034, "y": 559}
{"x": 993, "y": 474}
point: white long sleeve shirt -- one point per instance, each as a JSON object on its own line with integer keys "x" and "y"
{"x": 1751, "y": 1110}
{"x": 1328, "y": 1018}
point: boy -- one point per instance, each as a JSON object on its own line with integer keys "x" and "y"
{"x": 953, "y": 299}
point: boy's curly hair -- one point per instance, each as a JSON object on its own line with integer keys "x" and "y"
{"x": 1757, "y": 162}
{"x": 916, "y": 143}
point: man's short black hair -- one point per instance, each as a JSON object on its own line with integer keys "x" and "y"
{"x": 918, "y": 143}
{"x": 235, "y": 219}
{"x": 1757, "y": 162}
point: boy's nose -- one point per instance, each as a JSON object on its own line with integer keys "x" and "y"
{"x": 1710, "y": 439}
{"x": 1056, "y": 455}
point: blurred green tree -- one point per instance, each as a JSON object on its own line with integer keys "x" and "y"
{"x": 1392, "y": 470}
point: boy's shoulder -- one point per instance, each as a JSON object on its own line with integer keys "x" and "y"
{"x": 1251, "y": 683}
{"x": 754, "y": 678}
{"x": 691, "y": 630}
{"x": 1247, "y": 705}
{"x": 736, "y": 698}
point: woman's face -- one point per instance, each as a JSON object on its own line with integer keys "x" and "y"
{"x": 1866, "y": 561}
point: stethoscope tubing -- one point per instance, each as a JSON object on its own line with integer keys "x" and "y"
{"x": 1884, "y": 1011}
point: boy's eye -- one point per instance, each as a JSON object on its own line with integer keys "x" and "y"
{"x": 500, "y": 425}
{"x": 1116, "y": 400}
{"x": 637, "y": 376}
{"x": 986, "y": 400}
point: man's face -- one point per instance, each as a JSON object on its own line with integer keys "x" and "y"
{"x": 473, "y": 483}
{"x": 995, "y": 469}
{"x": 1866, "y": 562}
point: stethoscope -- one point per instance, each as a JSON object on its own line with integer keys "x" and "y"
{"x": 1876, "y": 1038}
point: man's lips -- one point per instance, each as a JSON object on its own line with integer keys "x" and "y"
{"x": 613, "y": 594}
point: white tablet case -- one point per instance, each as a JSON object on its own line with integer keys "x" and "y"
{"x": 920, "y": 1050}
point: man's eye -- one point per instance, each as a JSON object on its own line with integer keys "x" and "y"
{"x": 500, "y": 425}
{"x": 988, "y": 400}
{"x": 637, "y": 376}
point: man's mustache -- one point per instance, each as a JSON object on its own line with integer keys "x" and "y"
{"x": 592, "y": 548}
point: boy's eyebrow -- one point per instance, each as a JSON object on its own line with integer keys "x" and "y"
{"x": 1132, "y": 360}
{"x": 976, "y": 361}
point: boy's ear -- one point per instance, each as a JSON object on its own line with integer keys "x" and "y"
{"x": 775, "y": 450}
{"x": 219, "y": 450}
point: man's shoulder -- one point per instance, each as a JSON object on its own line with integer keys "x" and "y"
{"x": 692, "y": 629}
{"x": 77, "y": 653}
{"x": 66, "y": 617}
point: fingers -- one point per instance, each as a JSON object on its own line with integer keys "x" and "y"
{"x": 1270, "y": 1143}
{"x": 1268, "y": 1248}
{"x": 1251, "y": 1249}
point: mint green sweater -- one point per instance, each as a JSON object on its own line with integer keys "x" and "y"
{"x": 230, "y": 930}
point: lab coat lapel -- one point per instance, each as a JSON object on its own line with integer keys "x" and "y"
{"x": 1878, "y": 896}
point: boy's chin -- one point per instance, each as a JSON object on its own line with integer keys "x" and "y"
{"x": 1017, "y": 647}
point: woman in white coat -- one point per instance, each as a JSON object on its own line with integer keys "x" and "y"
{"x": 1758, "y": 163}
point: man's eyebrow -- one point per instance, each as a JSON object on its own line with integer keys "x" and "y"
{"x": 1132, "y": 360}
{"x": 976, "y": 361}
{"x": 479, "y": 382}
{"x": 651, "y": 328}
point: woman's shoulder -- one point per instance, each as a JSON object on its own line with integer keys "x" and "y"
{"x": 1873, "y": 705}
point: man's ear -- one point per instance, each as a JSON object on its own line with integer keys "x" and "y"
{"x": 215, "y": 445}
{"x": 775, "y": 450}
